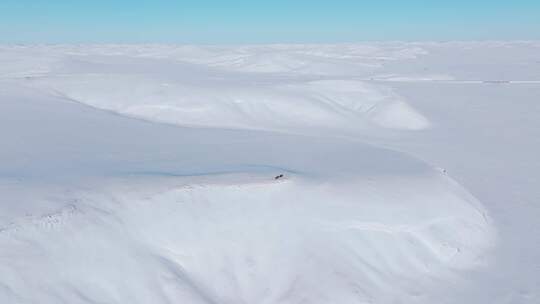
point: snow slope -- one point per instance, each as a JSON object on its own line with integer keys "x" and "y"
{"x": 144, "y": 174}
{"x": 193, "y": 95}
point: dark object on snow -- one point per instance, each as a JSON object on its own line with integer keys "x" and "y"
{"x": 278, "y": 176}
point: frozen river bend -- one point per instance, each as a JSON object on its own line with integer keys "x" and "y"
{"x": 145, "y": 174}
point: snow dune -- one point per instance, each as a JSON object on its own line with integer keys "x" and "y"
{"x": 145, "y": 174}
{"x": 243, "y": 239}
{"x": 192, "y": 95}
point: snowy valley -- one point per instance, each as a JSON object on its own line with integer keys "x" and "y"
{"x": 146, "y": 173}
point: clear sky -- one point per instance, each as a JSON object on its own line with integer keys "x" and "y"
{"x": 243, "y": 21}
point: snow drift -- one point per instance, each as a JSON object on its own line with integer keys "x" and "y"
{"x": 192, "y": 95}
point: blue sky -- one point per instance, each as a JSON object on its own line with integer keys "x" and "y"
{"x": 242, "y": 21}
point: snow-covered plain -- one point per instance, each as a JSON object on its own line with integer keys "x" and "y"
{"x": 145, "y": 173}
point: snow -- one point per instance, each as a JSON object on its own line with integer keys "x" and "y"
{"x": 145, "y": 173}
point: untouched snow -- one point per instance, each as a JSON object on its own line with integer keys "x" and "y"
{"x": 145, "y": 174}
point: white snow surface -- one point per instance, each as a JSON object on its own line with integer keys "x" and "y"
{"x": 145, "y": 173}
